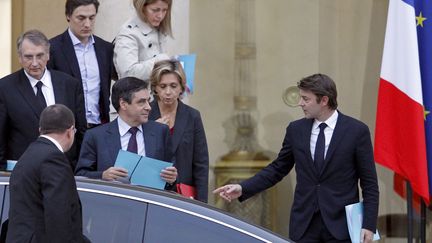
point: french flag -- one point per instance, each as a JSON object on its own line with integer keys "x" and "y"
{"x": 400, "y": 135}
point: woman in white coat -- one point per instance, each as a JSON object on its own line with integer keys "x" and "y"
{"x": 141, "y": 40}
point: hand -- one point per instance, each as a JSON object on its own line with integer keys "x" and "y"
{"x": 229, "y": 192}
{"x": 366, "y": 236}
{"x": 114, "y": 173}
{"x": 169, "y": 174}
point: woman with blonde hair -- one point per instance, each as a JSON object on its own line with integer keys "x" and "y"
{"x": 189, "y": 144}
{"x": 141, "y": 40}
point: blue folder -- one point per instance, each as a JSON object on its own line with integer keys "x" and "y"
{"x": 142, "y": 170}
{"x": 188, "y": 63}
{"x": 354, "y": 215}
{"x": 10, "y": 164}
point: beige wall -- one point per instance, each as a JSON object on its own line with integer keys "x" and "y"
{"x": 294, "y": 38}
{"x": 5, "y": 37}
{"x": 342, "y": 38}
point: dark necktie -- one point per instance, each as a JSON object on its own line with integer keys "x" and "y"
{"x": 132, "y": 145}
{"x": 40, "y": 95}
{"x": 320, "y": 148}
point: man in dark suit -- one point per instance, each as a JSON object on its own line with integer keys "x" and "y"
{"x": 331, "y": 153}
{"x": 130, "y": 97}
{"x": 44, "y": 202}
{"x": 25, "y": 93}
{"x": 86, "y": 57}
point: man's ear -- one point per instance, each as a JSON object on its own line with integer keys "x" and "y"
{"x": 324, "y": 100}
{"x": 122, "y": 104}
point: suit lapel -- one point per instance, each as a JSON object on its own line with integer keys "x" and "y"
{"x": 27, "y": 92}
{"x": 112, "y": 139}
{"x": 59, "y": 87}
{"x": 149, "y": 140}
{"x": 338, "y": 133}
{"x": 69, "y": 53}
{"x": 180, "y": 126}
{"x": 100, "y": 57}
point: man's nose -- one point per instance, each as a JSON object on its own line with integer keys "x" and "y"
{"x": 87, "y": 22}
{"x": 147, "y": 106}
{"x": 34, "y": 61}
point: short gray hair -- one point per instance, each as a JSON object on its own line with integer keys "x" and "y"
{"x": 34, "y": 36}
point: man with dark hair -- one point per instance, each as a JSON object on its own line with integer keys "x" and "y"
{"x": 131, "y": 131}
{"x": 86, "y": 57}
{"x": 331, "y": 152}
{"x": 25, "y": 93}
{"x": 44, "y": 202}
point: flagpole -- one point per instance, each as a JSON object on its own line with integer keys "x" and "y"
{"x": 409, "y": 212}
{"x": 423, "y": 222}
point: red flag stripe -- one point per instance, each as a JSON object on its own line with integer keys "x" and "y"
{"x": 399, "y": 137}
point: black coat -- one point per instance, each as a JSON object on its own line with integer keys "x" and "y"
{"x": 44, "y": 202}
{"x": 189, "y": 147}
{"x": 19, "y": 113}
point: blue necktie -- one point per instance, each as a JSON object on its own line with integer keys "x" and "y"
{"x": 320, "y": 148}
{"x": 132, "y": 145}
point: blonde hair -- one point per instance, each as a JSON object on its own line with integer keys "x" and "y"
{"x": 165, "y": 26}
{"x": 166, "y": 67}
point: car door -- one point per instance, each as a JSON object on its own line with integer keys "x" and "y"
{"x": 112, "y": 218}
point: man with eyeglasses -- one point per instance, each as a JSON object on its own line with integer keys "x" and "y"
{"x": 25, "y": 93}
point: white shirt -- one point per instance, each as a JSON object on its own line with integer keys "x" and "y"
{"x": 125, "y": 136}
{"x": 89, "y": 69}
{"x": 57, "y": 144}
{"x": 47, "y": 87}
{"x": 328, "y": 132}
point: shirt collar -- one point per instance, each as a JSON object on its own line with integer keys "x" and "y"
{"x": 76, "y": 41}
{"x": 57, "y": 144}
{"x": 45, "y": 77}
{"x": 331, "y": 121}
{"x": 124, "y": 127}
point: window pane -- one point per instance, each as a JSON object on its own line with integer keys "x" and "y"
{"x": 188, "y": 228}
{"x": 112, "y": 219}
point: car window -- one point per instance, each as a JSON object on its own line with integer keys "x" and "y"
{"x": 112, "y": 219}
{"x": 168, "y": 225}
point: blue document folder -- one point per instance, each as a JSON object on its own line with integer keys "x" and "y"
{"x": 354, "y": 215}
{"x": 188, "y": 63}
{"x": 128, "y": 161}
{"x": 10, "y": 164}
{"x": 142, "y": 170}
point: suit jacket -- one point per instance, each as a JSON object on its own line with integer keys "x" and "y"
{"x": 19, "y": 113}
{"x": 349, "y": 159}
{"x": 44, "y": 202}
{"x": 63, "y": 58}
{"x": 189, "y": 147}
{"x": 102, "y": 144}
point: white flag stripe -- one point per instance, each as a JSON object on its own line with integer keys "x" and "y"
{"x": 400, "y": 64}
